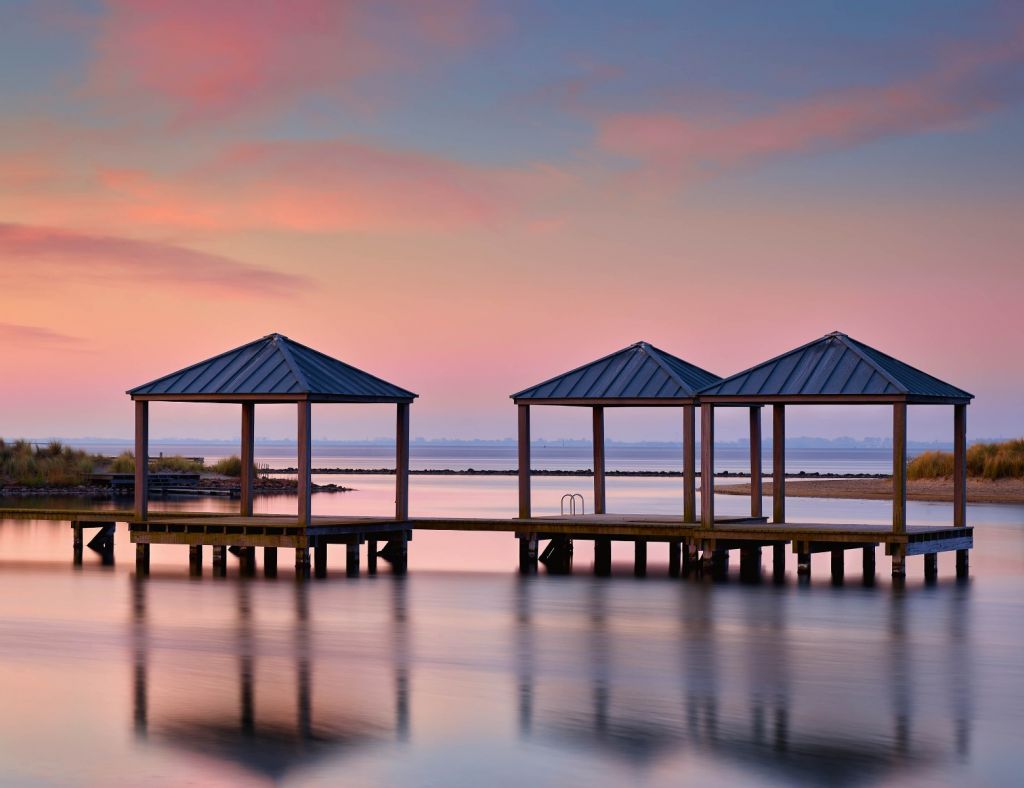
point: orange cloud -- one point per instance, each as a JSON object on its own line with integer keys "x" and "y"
{"x": 216, "y": 58}
{"x": 335, "y": 185}
{"x": 959, "y": 90}
{"x": 47, "y": 255}
{"x": 18, "y": 334}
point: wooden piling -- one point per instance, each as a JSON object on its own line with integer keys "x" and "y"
{"x": 931, "y": 566}
{"x": 528, "y": 554}
{"x": 371, "y": 556}
{"x": 301, "y": 563}
{"x": 868, "y": 565}
{"x": 602, "y": 556}
{"x": 320, "y": 560}
{"x": 963, "y": 564}
{"x": 77, "y": 543}
{"x": 220, "y": 560}
{"x": 899, "y": 561}
{"x": 803, "y": 565}
{"x": 247, "y": 561}
{"x": 142, "y": 558}
{"x": 778, "y": 562}
{"x": 195, "y": 560}
{"x": 270, "y": 562}
{"x": 352, "y": 559}
{"x": 750, "y": 563}
{"x": 640, "y": 557}
{"x": 838, "y": 566}
{"x": 674, "y": 558}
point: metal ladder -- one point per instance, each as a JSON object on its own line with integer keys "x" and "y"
{"x": 572, "y": 504}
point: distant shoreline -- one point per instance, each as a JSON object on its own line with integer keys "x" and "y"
{"x": 1001, "y": 491}
{"x": 555, "y": 472}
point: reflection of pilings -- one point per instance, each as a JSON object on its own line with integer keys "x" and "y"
{"x": 139, "y": 638}
{"x": 767, "y": 668}
{"x": 900, "y": 675}
{"x": 599, "y": 648}
{"x": 303, "y": 680}
{"x": 699, "y": 660}
{"x": 524, "y": 654}
{"x": 400, "y": 648}
{"x": 961, "y": 666}
{"x": 245, "y": 667}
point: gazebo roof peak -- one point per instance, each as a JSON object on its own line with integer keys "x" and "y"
{"x": 638, "y": 374}
{"x": 836, "y": 366}
{"x": 273, "y": 368}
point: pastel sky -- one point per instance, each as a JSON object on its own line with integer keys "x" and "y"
{"x": 466, "y": 197}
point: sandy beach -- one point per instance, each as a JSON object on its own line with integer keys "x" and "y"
{"x": 1010, "y": 491}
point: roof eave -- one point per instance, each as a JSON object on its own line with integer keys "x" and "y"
{"x": 272, "y": 398}
{"x": 610, "y": 402}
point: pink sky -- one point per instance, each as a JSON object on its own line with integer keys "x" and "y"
{"x": 466, "y": 200}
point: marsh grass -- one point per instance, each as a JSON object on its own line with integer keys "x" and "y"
{"x": 55, "y": 464}
{"x": 1003, "y": 460}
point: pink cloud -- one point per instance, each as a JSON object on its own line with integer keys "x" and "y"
{"x": 18, "y": 334}
{"x": 335, "y": 185}
{"x": 44, "y": 255}
{"x": 216, "y": 58}
{"x": 957, "y": 91}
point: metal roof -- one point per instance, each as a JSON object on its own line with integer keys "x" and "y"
{"x": 836, "y": 366}
{"x": 273, "y": 368}
{"x": 639, "y": 373}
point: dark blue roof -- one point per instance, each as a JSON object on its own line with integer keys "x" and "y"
{"x": 835, "y": 366}
{"x": 638, "y": 372}
{"x": 275, "y": 367}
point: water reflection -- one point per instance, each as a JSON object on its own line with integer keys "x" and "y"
{"x": 845, "y": 721}
{"x": 258, "y": 736}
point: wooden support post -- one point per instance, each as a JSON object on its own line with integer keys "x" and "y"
{"x": 750, "y": 564}
{"x": 707, "y": 465}
{"x": 719, "y": 563}
{"x": 142, "y": 558}
{"x": 396, "y": 552}
{"x": 838, "y": 566}
{"x": 803, "y": 565}
{"x": 959, "y": 466}
{"x": 141, "y": 460}
{"x": 640, "y": 557}
{"x": 963, "y": 564}
{"x": 778, "y": 562}
{"x": 524, "y": 461}
{"x": 220, "y": 560}
{"x": 270, "y": 562}
{"x": 371, "y": 556}
{"x": 689, "y": 464}
{"x": 599, "y": 486}
{"x": 402, "y": 462}
{"x": 602, "y": 556}
{"x": 755, "y": 461}
{"x": 899, "y": 468}
{"x": 195, "y": 560}
{"x": 899, "y": 561}
{"x": 301, "y": 563}
{"x": 352, "y": 559}
{"x": 691, "y": 558}
{"x": 528, "y": 554}
{"x": 248, "y": 455}
{"x": 77, "y": 543}
{"x": 247, "y": 561}
{"x": 320, "y": 560}
{"x": 305, "y": 457}
{"x": 674, "y": 558}
{"x": 868, "y": 565}
{"x": 778, "y": 463}
{"x": 931, "y": 566}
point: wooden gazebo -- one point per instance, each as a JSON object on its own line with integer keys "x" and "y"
{"x": 273, "y": 370}
{"x": 640, "y": 375}
{"x": 835, "y": 370}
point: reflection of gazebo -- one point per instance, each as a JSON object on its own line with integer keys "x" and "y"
{"x": 273, "y": 370}
{"x": 839, "y": 370}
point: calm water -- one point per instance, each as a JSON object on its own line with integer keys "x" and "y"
{"x": 463, "y": 673}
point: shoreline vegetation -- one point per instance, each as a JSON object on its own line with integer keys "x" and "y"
{"x": 27, "y": 470}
